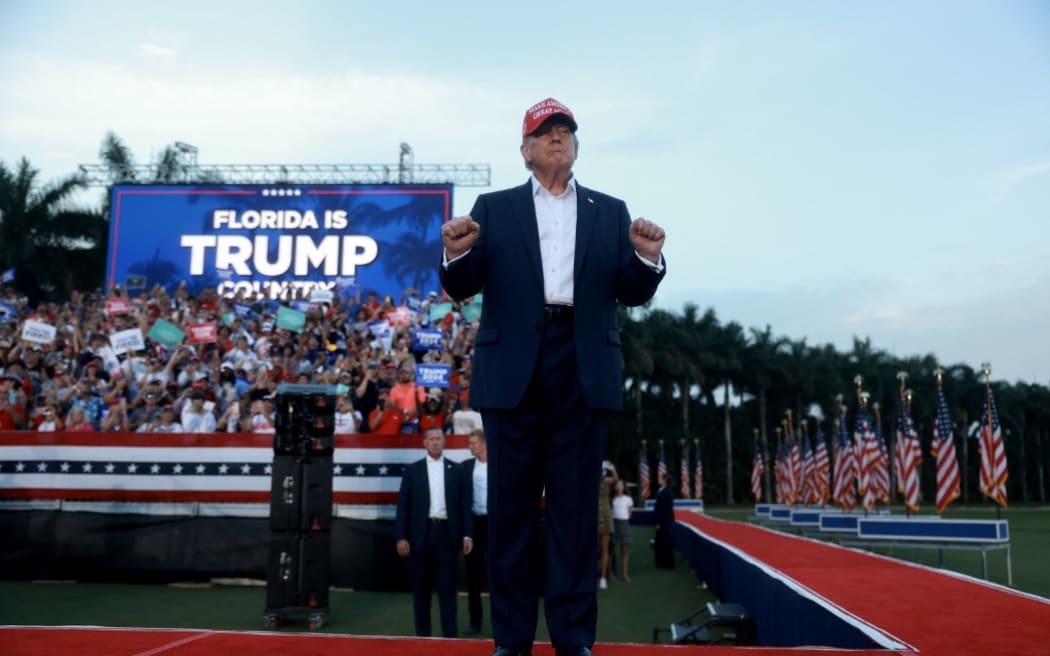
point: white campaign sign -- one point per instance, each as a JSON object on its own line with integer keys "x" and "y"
{"x": 38, "y": 332}
{"x": 127, "y": 340}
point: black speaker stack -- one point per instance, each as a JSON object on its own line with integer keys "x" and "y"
{"x": 298, "y": 567}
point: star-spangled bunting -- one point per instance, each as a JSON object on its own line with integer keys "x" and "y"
{"x": 212, "y": 468}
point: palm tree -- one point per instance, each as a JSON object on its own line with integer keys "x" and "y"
{"x": 763, "y": 369}
{"x": 48, "y": 242}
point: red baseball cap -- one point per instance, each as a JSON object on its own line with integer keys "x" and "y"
{"x": 539, "y": 113}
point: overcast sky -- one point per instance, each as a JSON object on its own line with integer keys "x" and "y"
{"x": 828, "y": 168}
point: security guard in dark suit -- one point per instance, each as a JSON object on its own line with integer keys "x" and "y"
{"x": 433, "y": 525}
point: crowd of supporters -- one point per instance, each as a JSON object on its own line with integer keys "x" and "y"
{"x": 78, "y": 382}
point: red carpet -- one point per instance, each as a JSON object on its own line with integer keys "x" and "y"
{"x": 934, "y": 612}
{"x": 937, "y": 613}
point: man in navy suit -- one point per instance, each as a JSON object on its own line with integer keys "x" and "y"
{"x": 433, "y": 523}
{"x": 553, "y": 259}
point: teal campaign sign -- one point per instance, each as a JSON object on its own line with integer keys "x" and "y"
{"x": 439, "y": 310}
{"x": 166, "y": 333}
{"x": 472, "y": 312}
{"x": 290, "y": 319}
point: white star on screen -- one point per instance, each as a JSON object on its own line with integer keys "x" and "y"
{"x": 223, "y": 469}
{"x": 42, "y": 467}
{"x": 200, "y": 469}
{"x": 360, "y": 470}
{"x": 337, "y": 470}
{"x": 20, "y": 467}
{"x": 383, "y": 470}
{"x": 132, "y": 468}
{"x": 246, "y": 469}
{"x": 64, "y": 467}
{"x": 268, "y": 469}
{"x": 177, "y": 469}
{"x": 87, "y": 467}
{"x": 110, "y": 467}
{"x": 154, "y": 469}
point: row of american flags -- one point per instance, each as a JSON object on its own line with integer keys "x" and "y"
{"x": 857, "y": 471}
{"x": 691, "y": 481}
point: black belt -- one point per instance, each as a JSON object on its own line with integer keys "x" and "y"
{"x": 437, "y": 520}
{"x": 557, "y": 313}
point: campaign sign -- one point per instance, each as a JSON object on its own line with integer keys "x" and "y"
{"x": 426, "y": 340}
{"x": 433, "y": 375}
{"x": 279, "y": 240}
{"x": 38, "y": 332}
{"x": 166, "y": 333}
{"x": 290, "y": 319}
{"x": 203, "y": 333}
{"x": 127, "y": 340}
{"x": 242, "y": 310}
{"x": 117, "y": 306}
{"x": 399, "y": 316}
{"x": 472, "y": 312}
{"x": 439, "y": 310}
{"x": 322, "y": 296}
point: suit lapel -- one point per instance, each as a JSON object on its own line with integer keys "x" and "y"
{"x": 525, "y": 217}
{"x": 586, "y": 217}
{"x": 426, "y": 487}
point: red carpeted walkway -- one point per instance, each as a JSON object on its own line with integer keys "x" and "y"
{"x": 935, "y": 613}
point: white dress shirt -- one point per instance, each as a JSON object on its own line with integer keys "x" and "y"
{"x": 556, "y": 220}
{"x": 436, "y": 481}
{"x": 481, "y": 487}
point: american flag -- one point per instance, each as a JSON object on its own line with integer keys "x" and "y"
{"x": 869, "y": 458}
{"x": 644, "y": 490}
{"x": 683, "y": 472}
{"x": 993, "y": 453}
{"x": 661, "y": 465}
{"x": 845, "y": 466}
{"x": 781, "y": 473}
{"x": 907, "y": 457}
{"x": 823, "y": 469}
{"x": 758, "y": 470}
{"x": 211, "y": 468}
{"x": 948, "y": 488}
{"x": 698, "y": 477}
{"x": 809, "y": 494}
{"x": 794, "y": 462}
{"x": 881, "y": 473}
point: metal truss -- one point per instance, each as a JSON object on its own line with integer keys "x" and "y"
{"x": 462, "y": 175}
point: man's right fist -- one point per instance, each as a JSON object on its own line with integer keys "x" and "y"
{"x": 458, "y": 235}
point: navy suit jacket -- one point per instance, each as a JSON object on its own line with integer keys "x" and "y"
{"x": 505, "y": 263}
{"x": 413, "y": 505}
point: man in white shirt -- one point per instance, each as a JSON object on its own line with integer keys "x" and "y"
{"x": 433, "y": 523}
{"x": 347, "y": 419}
{"x": 196, "y": 417}
{"x": 476, "y": 473}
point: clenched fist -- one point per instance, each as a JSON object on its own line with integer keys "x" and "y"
{"x": 647, "y": 239}
{"x": 458, "y": 235}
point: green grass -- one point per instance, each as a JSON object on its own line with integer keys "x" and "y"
{"x": 627, "y": 612}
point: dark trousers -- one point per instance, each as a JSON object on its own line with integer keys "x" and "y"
{"x": 554, "y": 442}
{"x": 435, "y": 562}
{"x": 476, "y": 575}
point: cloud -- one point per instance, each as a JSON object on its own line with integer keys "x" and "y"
{"x": 1008, "y": 180}
{"x": 155, "y": 50}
